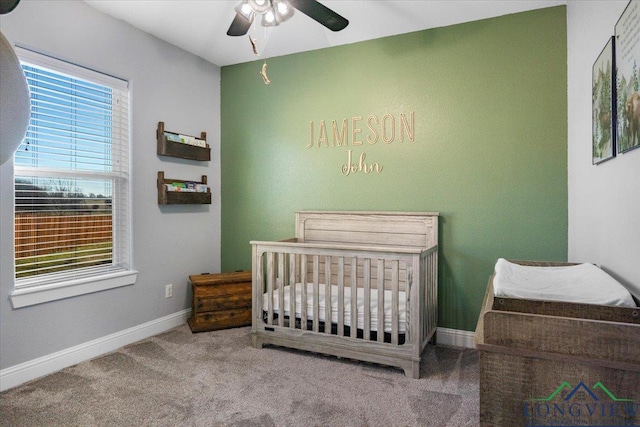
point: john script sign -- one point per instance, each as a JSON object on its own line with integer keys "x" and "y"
{"x": 355, "y": 133}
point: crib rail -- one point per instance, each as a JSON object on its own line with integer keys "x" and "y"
{"x": 310, "y": 287}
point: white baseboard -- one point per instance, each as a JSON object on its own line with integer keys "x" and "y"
{"x": 27, "y": 371}
{"x": 455, "y": 337}
{"x": 20, "y": 374}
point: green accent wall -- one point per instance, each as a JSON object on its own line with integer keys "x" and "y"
{"x": 489, "y": 149}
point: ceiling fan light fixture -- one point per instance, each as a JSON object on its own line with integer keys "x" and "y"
{"x": 275, "y": 12}
{"x": 269, "y": 19}
{"x": 260, "y": 6}
{"x": 283, "y": 10}
{"x": 245, "y": 10}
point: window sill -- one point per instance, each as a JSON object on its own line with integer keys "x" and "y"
{"x": 40, "y": 294}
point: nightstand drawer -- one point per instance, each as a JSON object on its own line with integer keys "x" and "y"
{"x": 214, "y": 320}
{"x": 224, "y": 298}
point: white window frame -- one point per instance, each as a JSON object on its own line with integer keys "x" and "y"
{"x": 28, "y": 291}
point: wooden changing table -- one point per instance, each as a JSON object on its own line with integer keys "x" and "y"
{"x": 530, "y": 350}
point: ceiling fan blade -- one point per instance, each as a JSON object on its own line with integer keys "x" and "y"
{"x": 320, "y": 13}
{"x": 7, "y": 6}
{"x": 239, "y": 26}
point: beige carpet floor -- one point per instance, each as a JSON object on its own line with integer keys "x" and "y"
{"x": 217, "y": 379}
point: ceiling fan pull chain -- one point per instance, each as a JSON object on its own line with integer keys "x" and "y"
{"x": 254, "y": 45}
{"x": 263, "y": 73}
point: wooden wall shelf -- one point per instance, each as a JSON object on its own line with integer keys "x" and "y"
{"x": 167, "y": 147}
{"x": 166, "y": 197}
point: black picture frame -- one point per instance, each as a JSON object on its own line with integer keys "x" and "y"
{"x": 603, "y": 87}
{"x": 628, "y": 78}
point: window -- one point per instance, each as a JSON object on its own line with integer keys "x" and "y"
{"x": 72, "y": 215}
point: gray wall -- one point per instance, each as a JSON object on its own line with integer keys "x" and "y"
{"x": 182, "y": 90}
{"x": 167, "y": 84}
{"x": 604, "y": 200}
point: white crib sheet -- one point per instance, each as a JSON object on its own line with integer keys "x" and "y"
{"x": 583, "y": 283}
{"x": 402, "y": 304}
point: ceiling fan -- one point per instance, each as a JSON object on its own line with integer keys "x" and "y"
{"x": 276, "y": 11}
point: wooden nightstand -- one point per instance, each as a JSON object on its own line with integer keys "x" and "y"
{"x": 220, "y": 301}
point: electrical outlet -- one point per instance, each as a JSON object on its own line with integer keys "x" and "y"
{"x": 168, "y": 291}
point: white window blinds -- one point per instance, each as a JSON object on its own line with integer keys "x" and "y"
{"x": 72, "y": 175}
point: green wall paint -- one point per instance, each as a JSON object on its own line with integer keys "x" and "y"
{"x": 490, "y": 150}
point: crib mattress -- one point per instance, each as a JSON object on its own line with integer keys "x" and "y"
{"x": 402, "y": 304}
{"x": 582, "y": 283}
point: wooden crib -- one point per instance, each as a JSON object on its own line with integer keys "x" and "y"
{"x": 388, "y": 260}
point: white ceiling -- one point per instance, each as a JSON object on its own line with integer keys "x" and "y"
{"x": 200, "y": 26}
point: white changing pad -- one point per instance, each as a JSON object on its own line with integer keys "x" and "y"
{"x": 583, "y": 283}
{"x": 347, "y": 306}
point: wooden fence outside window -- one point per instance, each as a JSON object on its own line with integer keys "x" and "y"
{"x": 38, "y": 234}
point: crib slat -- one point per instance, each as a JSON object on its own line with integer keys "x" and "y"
{"x": 367, "y": 299}
{"x": 280, "y": 284}
{"x": 316, "y": 294}
{"x": 409, "y": 314}
{"x": 395, "y": 301}
{"x": 380, "y": 286}
{"x": 327, "y": 295}
{"x": 340, "y": 296}
{"x": 427, "y": 290}
{"x": 426, "y": 322}
{"x": 270, "y": 279}
{"x": 258, "y": 286}
{"x": 354, "y": 298}
{"x": 292, "y": 291}
{"x": 303, "y": 302}
{"x": 432, "y": 284}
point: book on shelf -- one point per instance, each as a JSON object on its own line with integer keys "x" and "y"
{"x": 185, "y": 139}
{"x": 187, "y": 186}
